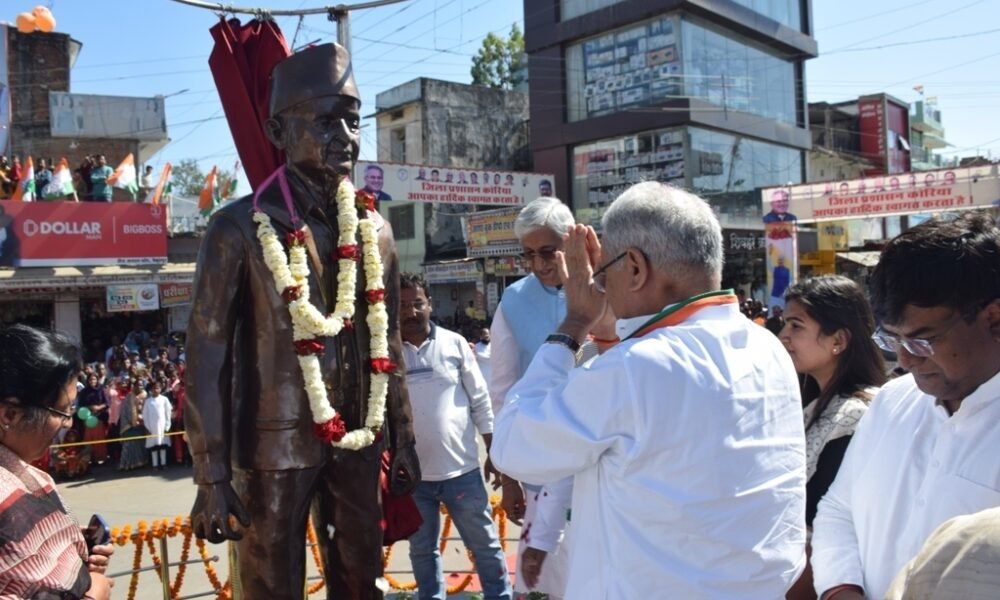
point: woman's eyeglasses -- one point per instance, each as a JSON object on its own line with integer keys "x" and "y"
{"x": 67, "y": 418}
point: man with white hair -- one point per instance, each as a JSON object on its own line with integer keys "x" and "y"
{"x": 530, "y": 309}
{"x": 685, "y": 440}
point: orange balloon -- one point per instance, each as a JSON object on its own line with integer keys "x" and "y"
{"x": 26, "y": 22}
{"x": 46, "y": 22}
{"x": 40, "y": 10}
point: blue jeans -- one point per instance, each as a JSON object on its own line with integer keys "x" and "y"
{"x": 469, "y": 507}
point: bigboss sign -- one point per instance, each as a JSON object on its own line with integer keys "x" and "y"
{"x": 46, "y": 234}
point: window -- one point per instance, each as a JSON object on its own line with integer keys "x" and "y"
{"x": 786, "y": 12}
{"x": 625, "y": 69}
{"x": 728, "y": 73}
{"x": 397, "y": 145}
{"x": 403, "y": 222}
{"x": 574, "y": 8}
{"x": 667, "y": 58}
{"x": 603, "y": 170}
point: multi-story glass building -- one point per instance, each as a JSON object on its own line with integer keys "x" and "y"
{"x": 707, "y": 94}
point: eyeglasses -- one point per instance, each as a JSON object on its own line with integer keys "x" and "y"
{"x": 415, "y": 305}
{"x": 547, "y": 254}
{"x": 920, "y": 347}
{"x": 67, "y": 418}
{"x": 599, "y": 275}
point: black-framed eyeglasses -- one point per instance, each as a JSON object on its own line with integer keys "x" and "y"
{"x": 599, "y": 276}
{"x": 65, "y": 416}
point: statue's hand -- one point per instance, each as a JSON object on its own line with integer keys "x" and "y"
{"x": 210, "y": 514}
{"x": 404, "y": 474}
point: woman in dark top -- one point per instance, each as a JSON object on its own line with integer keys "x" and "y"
{"x": 95, "y": 398}
{"x": 827, "y": 332}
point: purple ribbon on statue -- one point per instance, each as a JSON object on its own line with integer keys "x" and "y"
{"x": 286, "y": 193}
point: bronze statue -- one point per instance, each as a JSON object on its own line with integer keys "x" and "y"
{"x": 248, "y": 417}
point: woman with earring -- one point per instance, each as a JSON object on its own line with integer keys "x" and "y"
{"x": 42, "y": 549}
{"x": 828, "y": 334}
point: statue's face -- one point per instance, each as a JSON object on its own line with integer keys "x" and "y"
{"x": 322, "y": 137}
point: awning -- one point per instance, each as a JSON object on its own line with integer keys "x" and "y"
{"x": 865, "y": 259}
{"x": 63, "y": 278}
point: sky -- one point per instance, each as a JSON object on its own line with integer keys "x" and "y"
{"x": 160, "y": 47}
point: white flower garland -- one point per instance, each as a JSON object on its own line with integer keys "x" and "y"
{"x": 291, "y": 279}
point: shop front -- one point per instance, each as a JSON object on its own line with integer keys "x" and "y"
{"x": 458, "y": 293}
{"x": 491, "y": 237}
{"x": 93, "y": 304}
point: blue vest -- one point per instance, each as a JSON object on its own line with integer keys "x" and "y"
{"x": 533, "y": 311}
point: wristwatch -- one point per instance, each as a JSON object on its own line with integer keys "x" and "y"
{"x": 566, "y": 340}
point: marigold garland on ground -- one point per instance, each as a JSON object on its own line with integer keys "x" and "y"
{"x": 145, "y": 534}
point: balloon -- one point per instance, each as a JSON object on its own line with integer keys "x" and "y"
{"x": 26, "y": 22}
{"x": 45, "y": 22}
{"x": 41, "y": 10}
{"x": 91, "y": 421}
{"x": 83, "y": 412}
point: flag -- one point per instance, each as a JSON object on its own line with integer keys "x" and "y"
{"x": 229, "y": 189}
{"x": 124, "y": 177}
{"x": 61, "y": 184}
{"x": 206, "y": 199}
{"x": 26, "y": 187}
{"x": 157, "y": 193}
{"x": 919, "y": 89}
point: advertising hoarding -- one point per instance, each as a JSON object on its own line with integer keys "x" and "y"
{"x": 906, "y": 193}
{"x": 492, "y": 233}
{"x": 47, "y": 234}
{"x": 131, "y": 298}
{"x": 450, "y": 185}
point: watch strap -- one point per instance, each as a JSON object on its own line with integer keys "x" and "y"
{"x": 565, "y": 339}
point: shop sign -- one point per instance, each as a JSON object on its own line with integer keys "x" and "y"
{"x": 130, "y": 298}
{"x": 742, "y": 241}
{"x": 52, "y": 234}
{"x": 505, "y": 266}
{"x": 904, "y": 194}
{"x": 175, "y": 294}
{"x": 492, "y": 233}
{"x": 452, "y": 185}
{"x": 456, "y": 272}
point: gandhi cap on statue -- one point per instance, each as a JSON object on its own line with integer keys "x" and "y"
{"x": 315, "y": 72}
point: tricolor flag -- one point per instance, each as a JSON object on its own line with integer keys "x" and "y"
{"x": 26, "y": 187}
{"x": 206, "y": 199}
{"x": 228, "y": 190}
{"x": 157, "y": 194}
{"x": 61, "y": 184}
{"x": 124, "y": 177}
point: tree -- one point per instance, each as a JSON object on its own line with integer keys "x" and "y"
{"x": 500, "y": 62}
{"x": 187, "y": 178}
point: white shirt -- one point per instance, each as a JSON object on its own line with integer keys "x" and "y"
{"x": 483, "y": 359}
{"x": 156, "y": 419}
{"x": 449, "y": 401}
{"x": 910, "y": 467}
{"x": 505, "y": 360}
{"x": 688, "y": 453}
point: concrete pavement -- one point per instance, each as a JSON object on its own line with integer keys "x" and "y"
{"x": 127, "y": 498}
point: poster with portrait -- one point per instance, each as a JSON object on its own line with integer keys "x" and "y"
{"x": 450, "y": 185}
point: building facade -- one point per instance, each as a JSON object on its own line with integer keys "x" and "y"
{"x": 88, "y": 269}
{"x": 460, "y": 126}
{"x": 705, "y": 95}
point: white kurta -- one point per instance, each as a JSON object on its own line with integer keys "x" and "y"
{"x": 156, "y": 418}
{"x": 688, "y": 453}
{"x": 910, "y": 467}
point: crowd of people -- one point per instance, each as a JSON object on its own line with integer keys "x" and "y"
{"x": 651, "y": 432}
{"x": 89, "y": 179}
{"x": 132, "y": 391}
